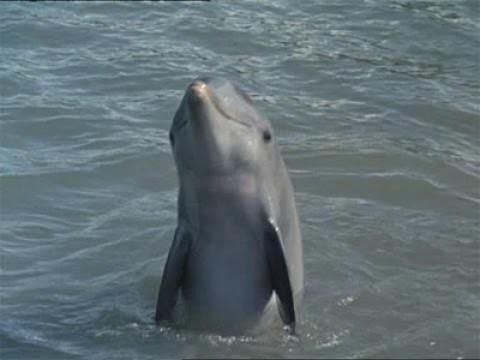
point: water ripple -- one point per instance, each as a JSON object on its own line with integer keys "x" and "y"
{"x": 376, "y": 112}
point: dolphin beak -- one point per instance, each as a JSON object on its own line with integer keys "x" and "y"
{"x": 199, "y": 90}
{"x": 197, "y": 85}
{"x": 199, "y": 95}
{"x": 202, "y": 96}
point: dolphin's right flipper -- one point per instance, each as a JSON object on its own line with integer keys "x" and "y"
{"x": 279, "y": 275}
{"x": 173, "y": 274}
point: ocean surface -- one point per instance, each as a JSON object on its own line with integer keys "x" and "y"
{"x": 375, "y": 105}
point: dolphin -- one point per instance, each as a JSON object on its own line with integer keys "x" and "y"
{"x": 237, "y": 247}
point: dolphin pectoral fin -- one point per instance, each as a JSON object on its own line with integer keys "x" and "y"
{"x": 279, "y": 275}
{"x": 173, "y": 274}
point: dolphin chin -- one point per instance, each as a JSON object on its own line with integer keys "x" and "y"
{"x": 237, "y": 247}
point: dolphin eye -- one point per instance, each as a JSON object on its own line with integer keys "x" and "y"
{"x": 267, "y": 135}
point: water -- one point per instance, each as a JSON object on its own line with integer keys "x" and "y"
{"x": 374, "y": 103}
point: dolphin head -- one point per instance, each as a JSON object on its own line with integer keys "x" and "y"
{"x": 217, "y": 130}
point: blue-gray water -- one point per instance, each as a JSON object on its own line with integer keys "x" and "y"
{"x": 376, "y": 107}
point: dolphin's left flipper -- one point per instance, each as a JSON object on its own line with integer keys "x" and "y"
{"x": 173, "y": 274}
{"x": 279, "y": 275}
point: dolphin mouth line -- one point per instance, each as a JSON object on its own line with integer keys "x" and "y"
{"x": 214, "y": 100}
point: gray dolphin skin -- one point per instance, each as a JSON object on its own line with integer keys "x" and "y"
{"x": 237, "y": 246}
